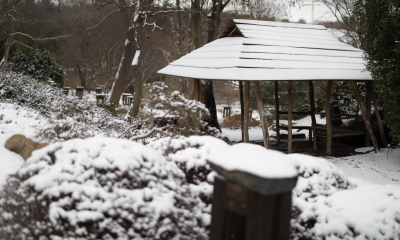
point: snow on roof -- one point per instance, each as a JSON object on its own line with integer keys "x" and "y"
{"x": 264, "y": 50}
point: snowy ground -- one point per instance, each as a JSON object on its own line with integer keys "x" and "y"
{"x": 15, "y": 120}
{"x": 380, "y": 168}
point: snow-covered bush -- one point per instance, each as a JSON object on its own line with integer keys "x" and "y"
{"x": 101, "y": 188}
{"x": 41, "y": 66}
{"x": 105, "y": 188}
{"x": 69, "y": 117}
{"x": 189, "y": 114}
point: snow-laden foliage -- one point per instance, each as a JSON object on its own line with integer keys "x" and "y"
{"x": 69, "y": 117}
{"x": 102, "y": 188}
{"x": 106, "y": 188}
{"x": 326, "y": 205}
{"x": 190, "y": 115}
{"x": 41, "y": 66}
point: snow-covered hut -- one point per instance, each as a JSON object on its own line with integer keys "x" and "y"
{"x": 252, "y": 50}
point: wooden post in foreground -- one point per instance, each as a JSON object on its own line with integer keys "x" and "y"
{"x": 290, "y": 117}
{"x": 263, "y": 118}
{"x": 378, "y": 116}
{"x": 364, "y": 114}
{"x": 246, "y": 111}
{"x": 328, "y": 119}
{"x": 311, "y": 100}
{"x": 278, "y": 137}
{"x": 241, "y": 107}
{"x": 248, "y": 207}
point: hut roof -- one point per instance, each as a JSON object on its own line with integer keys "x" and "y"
{"x": 263, "y": 50}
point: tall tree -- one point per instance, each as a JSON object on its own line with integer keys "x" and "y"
{"x": 381, "y": 38}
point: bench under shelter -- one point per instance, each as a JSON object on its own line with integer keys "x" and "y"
{"x": 250, "y": 51}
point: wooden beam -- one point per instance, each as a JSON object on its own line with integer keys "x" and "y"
{"x": 378, "y": 116}
{"x": 368, "y": 109}
{"x": 328, "y": 119}
{"x": 290, "y": 117}
{"x": 278, "y": 139}
{"x": 364, "y": 114}
{"x": 263, "y": 118}
{"x": 246, "y": 112}
{"x": 198, "y": 90}
{"x": 241, "y": 107}
{"x": 311, "y": 101}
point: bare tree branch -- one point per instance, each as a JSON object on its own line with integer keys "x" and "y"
{"x": 159, "y": 130}
{"x": 98, "y": 24}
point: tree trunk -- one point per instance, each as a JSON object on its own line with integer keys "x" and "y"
{"x": 137, "y": 85}
{"x": 126, "y": 59}
{"x": 207, "y": 85}
{"x": 81, "y": 76}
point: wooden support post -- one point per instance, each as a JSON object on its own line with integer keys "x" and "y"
{"x": 311, "y": 100}
{"x": 368, "y": 109}
{"x": 241, "y": 107}
{"x": 246, "y": 112}
{"x": 328, "y": 118}
{"x": 290, "y": 117}
{"x": 198, "y": 90}
{"x": 378, "y": 116}
{"x": 263, "y": 118}
{"x": 278, "y": 138}
{"x": 364, "y": 114}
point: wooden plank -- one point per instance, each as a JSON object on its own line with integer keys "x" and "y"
{"x": 241, "y": 107}
{"x": 311, "y": 101}
{"x": 262, "y": 63}
{"x": 328, "y": 118}
{"x": 364, "y": 114}
{"x": 378, "y": 116}
{"x": 278, "y": 24}
{"x": 254, "y": 34}
{"x": 283, "y": 210}
{"x": 278, "y": 139}
{"x": 319, "y": 134}
{"x": 290, "y": 37}
{"x": 263, "y": 118}
{"x": 260, "y": 74}
{"x": 217, "y": 212}
{"x": 246, "y": 112}
{"x": 271, "y": 56}
{"x": 302, "y": 113}
{"x": 260, "y": 217}
{"x": 281, "y": 50}
{"x": 226, "y": 41}
{"x": 290, "y": 108}
{"x": 312, "y": 32}
{"x": 290, "y": 43}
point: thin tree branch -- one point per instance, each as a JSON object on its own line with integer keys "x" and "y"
{"x": 88, "y": 29}
{"x": 159, "y": 130}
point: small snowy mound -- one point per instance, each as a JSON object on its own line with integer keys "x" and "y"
{"x": 326, "y": 205}
{"x": 102, "y": 188}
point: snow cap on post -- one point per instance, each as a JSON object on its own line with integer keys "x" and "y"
{"x": 267, "y": 172}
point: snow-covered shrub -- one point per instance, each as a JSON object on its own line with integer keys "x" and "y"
{"x": 326, "y": 205}
{"x": 69, "y": 117}
{"x": 41, "y": 66}
{"x": 189, "y": 114}
{"x": 101, "y": 188}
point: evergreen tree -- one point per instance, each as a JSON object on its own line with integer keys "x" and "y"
{"x": 380, "y": 40}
